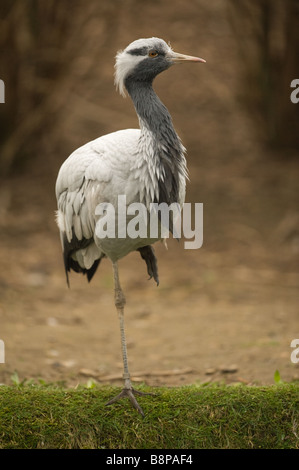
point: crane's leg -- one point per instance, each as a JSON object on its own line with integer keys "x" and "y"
{"x": 128, "y": 390}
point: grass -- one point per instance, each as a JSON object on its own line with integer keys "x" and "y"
{"x": 191, "y": 417}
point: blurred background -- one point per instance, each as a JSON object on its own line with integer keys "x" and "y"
{"x": 226, "y": 312}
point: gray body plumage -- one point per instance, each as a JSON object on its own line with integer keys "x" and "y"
{"x": 146, "y": 165}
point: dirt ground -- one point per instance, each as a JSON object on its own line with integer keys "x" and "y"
{"x": 226, "y": 312}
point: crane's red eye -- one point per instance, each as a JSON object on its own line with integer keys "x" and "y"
{"x": 153, "y": 53}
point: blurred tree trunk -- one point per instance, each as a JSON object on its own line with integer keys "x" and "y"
{"x": 45, "y": 46}
{"x": 267, "y": 33}
{"x": 31, "y": 62}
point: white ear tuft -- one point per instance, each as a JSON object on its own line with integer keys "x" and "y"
{"x": 124, "y": 65}
{"x": 120, "y": 72}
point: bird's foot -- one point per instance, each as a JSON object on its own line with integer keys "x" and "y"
{"x": 147, "y": 253}
{"x": 130, "y": 393}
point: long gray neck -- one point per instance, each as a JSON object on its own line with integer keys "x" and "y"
{"x": 152, "y": 113}
{"x": 159, "y": 140}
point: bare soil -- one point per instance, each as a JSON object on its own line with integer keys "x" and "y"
{"x": 226, "y": 312}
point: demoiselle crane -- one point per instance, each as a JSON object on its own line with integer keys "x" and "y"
{"x": 145, "y": 165}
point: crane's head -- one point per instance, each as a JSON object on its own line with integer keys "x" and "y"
{"x": 143, "y": 59}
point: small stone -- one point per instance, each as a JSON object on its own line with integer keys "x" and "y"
{"x": 210, "y": 371}
{"x": 68, "y": 363}
{"x": 229, "y": 369}
{"x": 51, "y": 321}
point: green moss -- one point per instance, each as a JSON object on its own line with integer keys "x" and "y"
{"x": 190, "y": 417}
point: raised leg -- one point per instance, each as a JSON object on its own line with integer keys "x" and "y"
{"x": 128, "y": 390}
{"x": 147, "y": 253}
